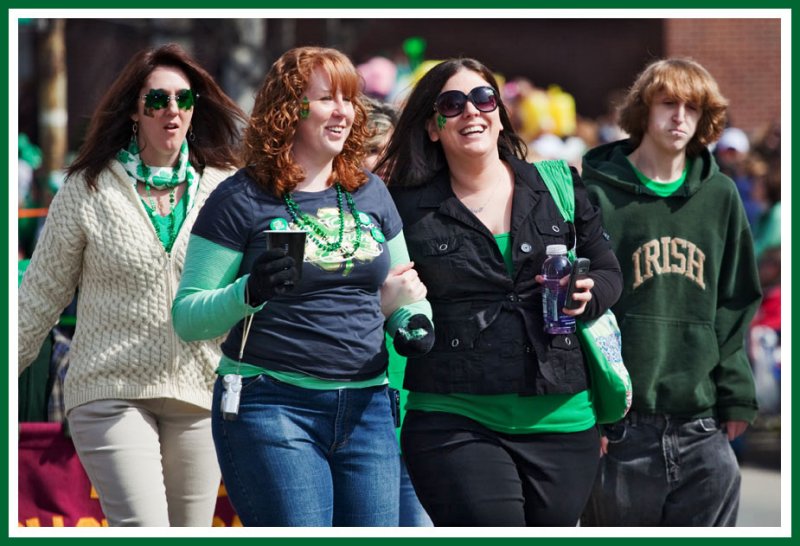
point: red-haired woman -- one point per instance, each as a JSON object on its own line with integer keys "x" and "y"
{"x": 312, "y": 441}
{"x": 137, "y": 397}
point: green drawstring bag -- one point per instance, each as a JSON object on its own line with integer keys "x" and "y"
{"x": 600, "y": 338}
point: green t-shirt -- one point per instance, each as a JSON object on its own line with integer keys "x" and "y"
{"x": 662, "y": 189}
{"x": 504, "y": 241}
{"x": 167, "y": 226}
{"x": 512, "y": 413}
{"x": 228, "y": 365}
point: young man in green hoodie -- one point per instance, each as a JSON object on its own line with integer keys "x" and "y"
{"x": 691, "y": 287}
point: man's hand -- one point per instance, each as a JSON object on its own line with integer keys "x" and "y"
{"x": 734, "y": 429}
{"x": 603, "y": 445}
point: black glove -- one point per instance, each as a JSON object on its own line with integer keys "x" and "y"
{"x": 416, "y": 339}
{"x": 273, "y": 273}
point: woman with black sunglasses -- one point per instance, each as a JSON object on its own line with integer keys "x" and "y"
{"x": 138, "y": 398}
{"x": 500, "y": 429}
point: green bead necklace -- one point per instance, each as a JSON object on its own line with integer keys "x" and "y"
{"x": 317, "y": 234}
{"x": 152, "y": 210}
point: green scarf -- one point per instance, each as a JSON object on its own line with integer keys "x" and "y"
{"x": 157, "y": 177}
{"x": 166, "y": 227}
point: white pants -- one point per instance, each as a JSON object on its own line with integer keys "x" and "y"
{"x": 152, "y": 462}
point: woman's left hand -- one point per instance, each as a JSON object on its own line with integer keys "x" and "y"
{"x": 582, "y": 294}
{"x": 401, "y": 287}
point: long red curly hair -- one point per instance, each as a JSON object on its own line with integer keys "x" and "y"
{"x": 267, "y": 150}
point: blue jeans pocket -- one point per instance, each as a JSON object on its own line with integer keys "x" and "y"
{"x": 250, "y": 381}
{"x": 615, "y": 432}
{"x": 703, "y": 426}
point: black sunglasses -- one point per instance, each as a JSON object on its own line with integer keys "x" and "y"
{"x": 452, "y": 103}
{"x": 158, "y": 99}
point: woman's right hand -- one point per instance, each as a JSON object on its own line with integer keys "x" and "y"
{"x": 401, "y": 287}
{"x": 582, "y": 294}
{"x": 274, "y": 273}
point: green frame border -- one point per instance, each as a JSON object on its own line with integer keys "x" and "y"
{"x": 351, "y": 10}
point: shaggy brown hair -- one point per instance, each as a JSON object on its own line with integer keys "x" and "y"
{"x": 270, "y": 133}
{"x": 684, "y": 80}
{"x": 215, "y": 120}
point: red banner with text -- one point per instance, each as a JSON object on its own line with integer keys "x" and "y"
{"x": 54, "y": 490}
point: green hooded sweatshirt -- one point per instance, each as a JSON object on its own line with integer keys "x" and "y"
{"x": 690, "y": 286}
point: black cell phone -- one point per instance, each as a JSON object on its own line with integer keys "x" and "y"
{"x": 580, "y": 269}
{"x": 394, "y": 396}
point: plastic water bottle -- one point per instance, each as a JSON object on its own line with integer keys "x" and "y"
{"x": 556, "y": 267}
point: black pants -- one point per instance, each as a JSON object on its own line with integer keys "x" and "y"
{"x": 468, "y": 475}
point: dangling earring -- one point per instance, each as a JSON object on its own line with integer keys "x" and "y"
{"x": 191, "y": 134}
{"x": 304, "y": 108}
{"x": 134, "y": 130}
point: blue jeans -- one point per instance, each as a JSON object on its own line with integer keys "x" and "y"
{"x": 666, "y": 472}
{"x": 305, "y": 457}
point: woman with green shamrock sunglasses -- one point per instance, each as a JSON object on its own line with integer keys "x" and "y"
{"x": 138, "y": 398}
{"x": 156, "y": 99}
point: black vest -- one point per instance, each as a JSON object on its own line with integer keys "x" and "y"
{"x": 489, "y": 326}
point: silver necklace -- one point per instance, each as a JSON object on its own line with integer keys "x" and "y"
{"x": 478, "y": 210}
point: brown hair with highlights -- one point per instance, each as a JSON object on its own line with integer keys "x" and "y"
{"x": 270, "y": 133}
{"x": 215, "y": 120}
{"x": 682, "y": 79}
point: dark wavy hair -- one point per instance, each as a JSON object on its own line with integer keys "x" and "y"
{"x": 269, "y": 134}
{"x": 382, "y": 118}
{"x": 411, "y": 158}
{"x": 215, "y": 121}
{"x": 682, "y": 79}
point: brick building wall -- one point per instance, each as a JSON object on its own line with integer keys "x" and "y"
{"x": 744, "y": 57}
{"x": 592, "y": 59}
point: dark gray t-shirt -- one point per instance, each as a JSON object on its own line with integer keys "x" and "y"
{"x": 330, "y": 326}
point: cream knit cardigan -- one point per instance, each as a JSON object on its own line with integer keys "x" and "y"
{"x": 103, "y": 243}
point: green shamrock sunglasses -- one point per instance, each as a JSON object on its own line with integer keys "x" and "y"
{"x": 158, "y": 99}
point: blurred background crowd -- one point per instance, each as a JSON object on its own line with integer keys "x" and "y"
{"x": 560, "y": 78}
